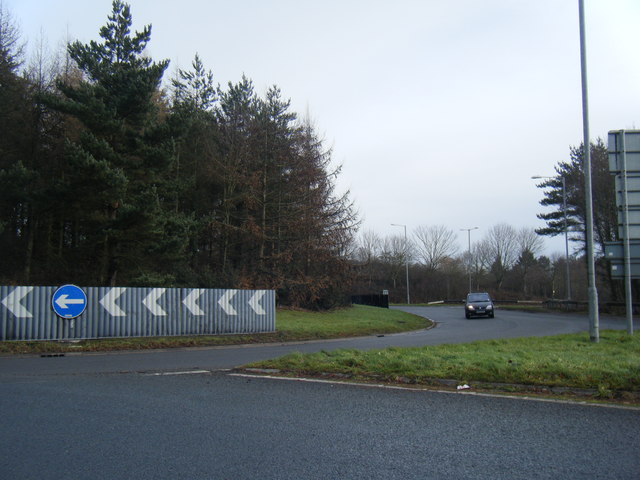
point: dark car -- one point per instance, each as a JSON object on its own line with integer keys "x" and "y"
{"x": 478, "y": 304}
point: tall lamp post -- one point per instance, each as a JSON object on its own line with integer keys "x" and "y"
{"x": 406, "y": 258}
{"x": 566, "y": 231}
{"x": 468, "y": 230}
{"x": 594, "y": 315}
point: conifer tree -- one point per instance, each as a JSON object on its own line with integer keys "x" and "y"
{"x": 15, "y": 174}
{"x": 118, "y": 164}
{"x": 196, "y": 169}
{"x": 604, "y": 202}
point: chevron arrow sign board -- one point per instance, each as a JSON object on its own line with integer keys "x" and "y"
{"x": 26, "y": 313}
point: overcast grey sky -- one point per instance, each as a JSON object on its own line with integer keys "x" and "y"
{"x": 439, "y": 111}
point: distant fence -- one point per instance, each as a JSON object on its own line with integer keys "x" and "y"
{"x": 26, "y": 313}
{"x": 568, "y": 305}
{"x": 609, "y": 307}
{"x": 374, "y": 300}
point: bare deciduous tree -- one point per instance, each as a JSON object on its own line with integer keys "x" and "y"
{"x": 529, "y": 240}
{"x": 529, "y": 244}
{"x": 499, "y": 250}
{"x": 369, "y": 246}
{"x": 434, "y": 244}
{"x": 503, "y": 245}
{"x": 395, "y": 252}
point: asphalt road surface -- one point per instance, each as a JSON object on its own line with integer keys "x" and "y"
{"x": 152, "y": 416}
{"x": 451, "y": 327}
{"x": 218, "y": 426}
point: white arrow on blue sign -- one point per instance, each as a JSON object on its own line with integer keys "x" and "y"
{"x": 69, "y": 301}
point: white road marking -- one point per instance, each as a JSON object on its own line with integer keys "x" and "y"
{"x": 189, "y": 372}
{"x": 449, "y": 392}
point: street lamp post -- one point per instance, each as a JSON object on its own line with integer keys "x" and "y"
{"x": 594, "y": 315}
{"x": 468, "y": 230}
{"x": 566, "y": 232}
{"x": 406, "y": 258}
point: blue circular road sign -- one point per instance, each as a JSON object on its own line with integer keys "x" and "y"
{"x": 69, "y": 301}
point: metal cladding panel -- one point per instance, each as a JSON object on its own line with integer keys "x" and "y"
{"x": 26, "y": 313}
{"x": 633, "y": 209}
{"x": 631, "y": 150}
{"x": 617, "y": 270}
{"x": 633, "y": 196}
{"x": 634, "y": 232}
{"x": 632, "y": 217}
{"x": 633, "y": 189}
{"x": 615, "y": 250}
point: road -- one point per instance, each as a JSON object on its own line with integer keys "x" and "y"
{"x": 131, "y": 416}
{"x": 217, "y": 426}
{"x": 451, "y": 327}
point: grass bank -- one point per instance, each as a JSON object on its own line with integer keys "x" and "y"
{"x": 610, "y": 368}
{"x": 291, "y": 325}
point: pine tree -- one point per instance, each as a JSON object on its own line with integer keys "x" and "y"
{"x": 236, "y": 118}
{"x": 196, "y": 169}
{"x": 118, "y": 164}
{"x": 604, "y": 202}
{"x": 15, "y": 174}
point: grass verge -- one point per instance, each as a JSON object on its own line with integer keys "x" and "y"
{"x": 609, "y": 369}
{"x": 291, "y": 325}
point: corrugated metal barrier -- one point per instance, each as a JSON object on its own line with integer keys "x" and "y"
{"x": 27, "y": 313}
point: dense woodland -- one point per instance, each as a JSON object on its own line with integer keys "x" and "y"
{"x": 107, "y": 178}
{"x": 113, "y": 174}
